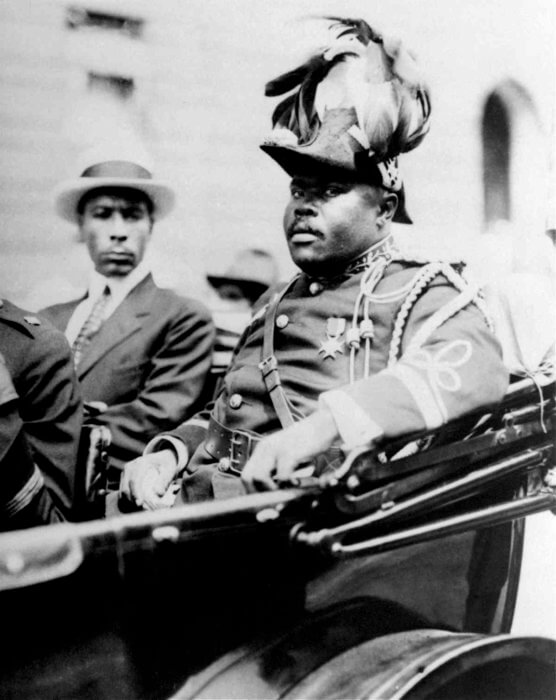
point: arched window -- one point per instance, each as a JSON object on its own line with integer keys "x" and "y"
{"x": 496, "y": 160}
{"x": 515, "y": 163}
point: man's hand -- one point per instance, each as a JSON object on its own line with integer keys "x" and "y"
{"x": 146, "y": 479}
{"x": 276, "y": 457}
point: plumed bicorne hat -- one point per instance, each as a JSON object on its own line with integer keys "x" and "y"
{"x": 360, "y": 102}
{"x": 113, "y": 166}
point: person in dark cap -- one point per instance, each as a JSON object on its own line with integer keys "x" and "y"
{"x": 251, "y": 273}
{"x": 40, "y": 425}
{"x": 237, "y": 289}
{"x": 367, "y": 341}
{"x": 141, "y": 353}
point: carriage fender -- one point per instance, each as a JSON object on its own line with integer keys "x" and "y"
{"x": 371, "y": 648}
{"x": 431, "y": 664}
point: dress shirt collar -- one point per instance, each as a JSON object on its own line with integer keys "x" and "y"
{"x": 120, "y": 287}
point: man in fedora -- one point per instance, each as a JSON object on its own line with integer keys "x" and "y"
{"x": 368, "y": 341}
{"x": 141, "y": 353}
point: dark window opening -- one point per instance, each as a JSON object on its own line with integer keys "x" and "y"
{"x": 496, "y": 160}
{"x": 80, "y": 18}
{"x": 116, "y": 85}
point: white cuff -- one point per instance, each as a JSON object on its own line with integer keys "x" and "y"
{"x": 354, "y": 425}
{"x": 168, "y": 442}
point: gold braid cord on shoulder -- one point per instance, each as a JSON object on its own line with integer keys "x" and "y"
{"x": 468, "y": 294}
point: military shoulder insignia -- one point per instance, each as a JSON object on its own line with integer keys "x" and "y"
{"x": 412, "y": 256}
{"x": 423, "y": 253}
{"x": 32, "y": 320}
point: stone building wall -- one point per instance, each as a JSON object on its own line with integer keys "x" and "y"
{"x": 189, "y": 83}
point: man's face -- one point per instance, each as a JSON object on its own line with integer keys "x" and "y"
{"x": 328, "y": 222}
{"x": 116, "y": 228}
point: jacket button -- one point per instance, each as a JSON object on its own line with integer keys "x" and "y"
{"x": 235, "y": 400}
{"x": 315, "y": 288}
{"x": 282, "y": 321}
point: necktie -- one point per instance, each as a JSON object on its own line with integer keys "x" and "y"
{"x": 92, "y": 324}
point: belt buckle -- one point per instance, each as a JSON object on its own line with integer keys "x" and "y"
{"x": 237, "y": 461}
{"x": 239, "y": 449}
{"x": 234, "y": 463}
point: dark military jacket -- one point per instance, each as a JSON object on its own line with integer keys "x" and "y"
{"x": 38, "y": 359}
{"x": 24, "y": 499}
{"x": 431, "y": 358}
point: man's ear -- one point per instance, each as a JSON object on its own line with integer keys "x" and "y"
{"x": 388, "y": 206}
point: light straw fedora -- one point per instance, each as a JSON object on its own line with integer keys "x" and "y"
{"x": 113, "y": 167}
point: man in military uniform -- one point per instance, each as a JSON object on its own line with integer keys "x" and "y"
{"x": 367, "y": 342}
{"x": 41, "y": 421}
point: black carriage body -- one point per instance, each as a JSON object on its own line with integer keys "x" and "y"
{"x": 374, "y": 584}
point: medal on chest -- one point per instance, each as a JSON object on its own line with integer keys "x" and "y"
{"x": 334, "y": 342}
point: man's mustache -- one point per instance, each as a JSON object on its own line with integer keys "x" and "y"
{"x": 301, "y": 227}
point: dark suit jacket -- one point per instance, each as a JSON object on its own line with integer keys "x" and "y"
{"x": 149, "y": 362}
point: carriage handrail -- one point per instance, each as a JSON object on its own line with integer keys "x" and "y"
{"x": 330, "y": 539}
{"x": 480, "y": 518}
{"x": 48, "y": 552}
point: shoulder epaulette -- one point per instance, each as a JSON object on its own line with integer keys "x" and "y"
{"x": 423, "y": 255}
{"x": 18, "y": 318}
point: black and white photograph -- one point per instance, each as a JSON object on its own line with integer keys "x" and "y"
{"x": 277, "y": 342}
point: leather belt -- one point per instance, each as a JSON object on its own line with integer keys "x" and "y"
{"x": 232, "y": 448}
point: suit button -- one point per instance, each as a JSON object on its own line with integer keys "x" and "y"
{"x": 315, "y": 288}
{"x": 235, "y": 400}
{"x": 282, "y": 321}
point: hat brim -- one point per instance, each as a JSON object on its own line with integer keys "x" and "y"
{"x": 295, "y": 162}
{"x": 251, "y": 286}
{"x": 68, "y": 194}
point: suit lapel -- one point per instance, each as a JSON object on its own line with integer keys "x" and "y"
{"x": 126, "y": 320}
{"x": 66, "y": 313}
{"x": 60, "y": 314}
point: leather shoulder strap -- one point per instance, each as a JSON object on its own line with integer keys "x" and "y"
{"x": 269, "y": 364}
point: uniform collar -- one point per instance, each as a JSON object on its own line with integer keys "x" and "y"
{"x": 386, "y": 248}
